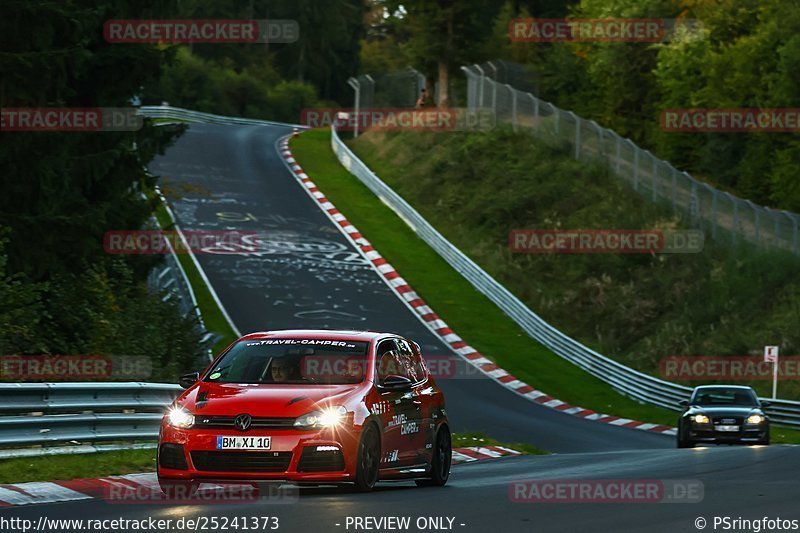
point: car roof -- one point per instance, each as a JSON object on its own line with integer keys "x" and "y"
{"x": 742, "y": 387}
{"x": 331, "y": 334}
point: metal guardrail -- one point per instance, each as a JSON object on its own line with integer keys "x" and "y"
{"x": 55, "y": 413}
{"x": 177, "y": 113}
{"x": 630, "y": 382}
{"x": 171, "y": 280}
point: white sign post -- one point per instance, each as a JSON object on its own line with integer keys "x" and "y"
{"x": 771, "y": 356}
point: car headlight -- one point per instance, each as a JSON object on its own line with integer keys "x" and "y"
{"x": 324, "y": 418}
{"x": 179, "y": 417}
{"x": 700, "y": 419}
{"x": 755, "y": 419}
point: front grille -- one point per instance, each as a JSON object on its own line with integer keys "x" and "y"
{"x": 729, "y": 421}
{"x": 320, "y": 461}
{"x": 172, "y": 456}
{"x": 241, "y": 461}
{"x": 226, "y": 422}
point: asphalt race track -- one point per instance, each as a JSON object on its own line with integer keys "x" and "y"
{"x": 305, "y": 274}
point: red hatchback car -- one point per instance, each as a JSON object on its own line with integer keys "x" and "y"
{"x": 308, "y": 406}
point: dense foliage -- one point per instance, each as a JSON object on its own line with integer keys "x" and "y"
{"x": 59, "y": 292}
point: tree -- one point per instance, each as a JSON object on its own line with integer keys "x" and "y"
{"x": 445, "y": 34}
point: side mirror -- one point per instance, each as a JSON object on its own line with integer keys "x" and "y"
{"x": 187, "y": 380}
{"x": 396, "y": 383}
{"x": 683, "y": 403}
{"x": 765, "y": 403}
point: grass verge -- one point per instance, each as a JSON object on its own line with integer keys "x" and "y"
{"x": 464, "y": 440}
{"x": 91, "y": 465}
{"x": 212, "y": 315}
{"x": 469, "y": 313}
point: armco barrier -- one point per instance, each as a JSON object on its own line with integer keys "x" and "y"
{"x": 187, "y": 115}
{"x": 55, "y": 413}
{"x": 623, "y": 379}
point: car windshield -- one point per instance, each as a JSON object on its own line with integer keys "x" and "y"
{"x": 725, "y": 396}
{"x": 291, "y": 361}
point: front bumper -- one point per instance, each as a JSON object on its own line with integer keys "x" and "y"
{"x": 747, "y": 434}
{"x": 293, "y": 455}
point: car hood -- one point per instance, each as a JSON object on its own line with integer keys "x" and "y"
{"x": 725, "y": 410}
{"x": 231, "y": 399}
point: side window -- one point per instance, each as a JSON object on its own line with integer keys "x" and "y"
{"x": 419, "y": 363}
{"x": 412, "y": 361}
{"x": 389, "y": 361}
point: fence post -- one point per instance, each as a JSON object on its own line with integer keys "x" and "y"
{"x": 494, "y": 100}
{"x": 735, "y": 228}
{"x": 695, "y": 205}
{"x": 777, "y": 230}
{"x": 470, "y": 89}
{"x": 577, "y": 135}
{"x": 674, "y": 191}
{"x": 655, "y": 177}
{"x": 535, "y": 112}
{"x": 513, "y": 106}
{"x": 480, "y": 85}
{"x": 356, "y": 85}
{"x": 713, "y": 214}
{"x": 601, "y": 140}
{"x": 619, "y": 151}
{"x": 757, "y": 221}
{"x": 636, "y": 151}
{"x": 558, "y": 117}
{"x": 795, "y": 236}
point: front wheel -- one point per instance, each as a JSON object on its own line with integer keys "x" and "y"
{"x": 683, "y": 442}
{"x": 368, "y": 459}
{"x": 442, "y": 459}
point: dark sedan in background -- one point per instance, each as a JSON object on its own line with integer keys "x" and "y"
{"x": 723, "y": 414}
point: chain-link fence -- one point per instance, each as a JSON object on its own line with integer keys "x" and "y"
{"x": 721, "y": 214}
{"x": 394, "y": 89}
{"x": 401, "y": 89}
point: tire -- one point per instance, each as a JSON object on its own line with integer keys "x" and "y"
{"x": 442, "y": 460}
{"x": 178, "y": 489}
{"x": 368, "y": 459}
{"x": 684, "y": 442}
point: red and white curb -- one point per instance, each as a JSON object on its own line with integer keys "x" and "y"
{"x": 436, "y": 324}
{"x": 480, "y": 453}
{"x": 144, "y": 487}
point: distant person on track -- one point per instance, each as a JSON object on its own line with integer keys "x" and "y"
{"x": 422, "y": 101}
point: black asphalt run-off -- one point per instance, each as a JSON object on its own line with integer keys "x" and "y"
{"x": 308, "y": 276}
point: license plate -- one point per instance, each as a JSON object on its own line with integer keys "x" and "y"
{"x": 727, "y": 428}
{"x": 243, "y": 443}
